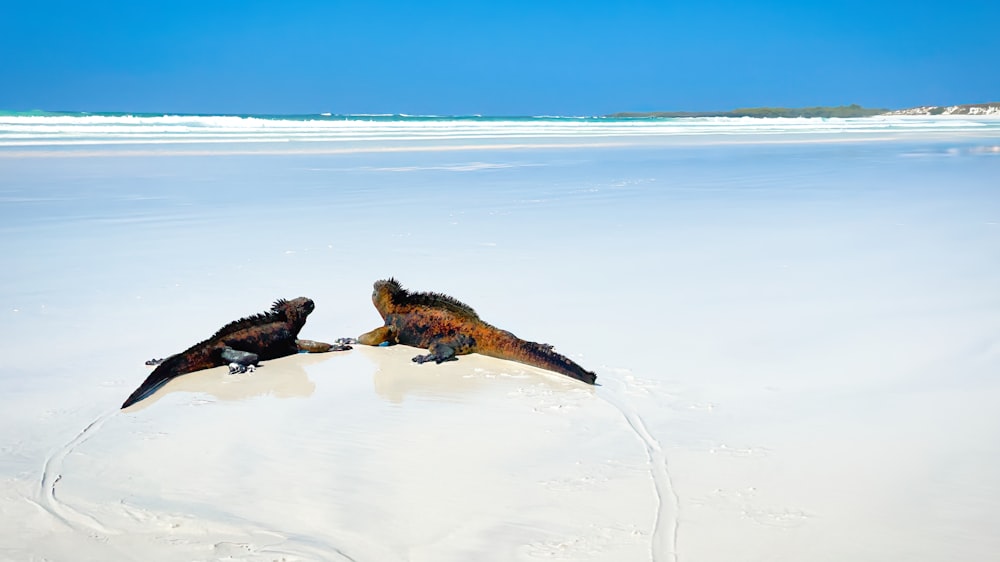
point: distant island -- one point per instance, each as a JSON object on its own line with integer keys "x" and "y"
{"x": 853, "y": 110}
{"x": 967, "y": 109}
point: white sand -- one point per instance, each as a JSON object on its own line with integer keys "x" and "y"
{"x": 797, "y": 351}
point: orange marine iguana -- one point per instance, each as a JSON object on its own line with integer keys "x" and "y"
{"x": 241, "y": 345}
{"x": 446, "y": 327}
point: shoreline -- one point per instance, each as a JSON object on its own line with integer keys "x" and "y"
{"x": 208, "y": 142}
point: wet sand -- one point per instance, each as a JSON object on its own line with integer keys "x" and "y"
{"x": 796, "y": 348}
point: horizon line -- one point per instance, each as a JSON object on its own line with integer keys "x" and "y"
{"x": 630, "y": 114}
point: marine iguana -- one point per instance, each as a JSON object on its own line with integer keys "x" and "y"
{"x": 241, "y": 345}
{"x": 447, "y": 328}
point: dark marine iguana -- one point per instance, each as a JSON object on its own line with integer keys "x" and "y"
{"x": 447, "y": 328}
{"x": 241, "y": 345}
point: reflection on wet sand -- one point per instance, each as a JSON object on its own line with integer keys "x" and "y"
{"x": 397, "y": 377}
{"x": 282, "y": 378}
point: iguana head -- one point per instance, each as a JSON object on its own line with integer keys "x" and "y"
{"x": 384, "y": 293}
{"x": 295, "y": 310}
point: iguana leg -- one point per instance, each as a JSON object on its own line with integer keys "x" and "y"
{"x": 379, "y": 335}
{"x": 310, "y": 346}
{"x": 239, "y": 361}
{"x": 446, "y": 350}
{"x": 439, "y": 353}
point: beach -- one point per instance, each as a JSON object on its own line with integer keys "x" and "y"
{"x": 795, "y": 325}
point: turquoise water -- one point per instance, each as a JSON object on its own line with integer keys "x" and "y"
{"x": 314, "y": 116}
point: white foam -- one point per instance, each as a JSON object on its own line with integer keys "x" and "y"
{"x": 167, "y": 129}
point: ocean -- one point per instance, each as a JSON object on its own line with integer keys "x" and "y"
{"x": 795, "y": 325}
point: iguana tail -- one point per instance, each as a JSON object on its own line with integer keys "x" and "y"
{"x": 537, "y": 355}
{"x": 171, "y": 368}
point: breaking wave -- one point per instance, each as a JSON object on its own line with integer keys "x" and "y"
{"x": 54, "y": 129}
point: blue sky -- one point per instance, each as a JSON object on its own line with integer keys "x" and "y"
{"x": 498, "y": 58}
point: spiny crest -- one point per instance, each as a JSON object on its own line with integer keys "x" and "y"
{"x": 389, "y": 287}
{"x": 401, "y": 297}
{"x": 274, "y": 315}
